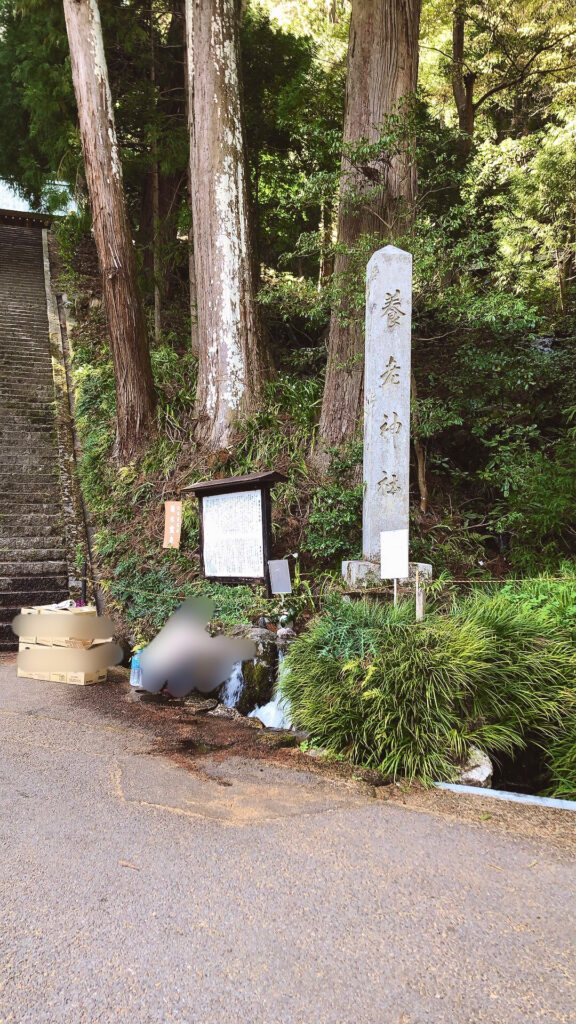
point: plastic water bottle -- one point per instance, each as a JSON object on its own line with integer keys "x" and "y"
{"x": 135, "y": 670}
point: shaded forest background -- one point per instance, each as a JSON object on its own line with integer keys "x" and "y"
{"x": 492, "y": 132}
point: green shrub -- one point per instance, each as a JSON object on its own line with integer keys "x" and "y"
{"x": 554, "y": 598}
{"x": 531, "y": 669}
{"x": 410, "y": 698}
{"x": 395, "y": 707}
{"x": 334, "y": 523}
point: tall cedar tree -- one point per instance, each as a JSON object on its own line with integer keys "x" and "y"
{"x": 126, "y": 323}
{"x": 382, "y": 71}
{"x": 233, "y": 359}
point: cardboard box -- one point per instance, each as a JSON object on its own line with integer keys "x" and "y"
{"x": 29, "y": 639}
{"x": 73, "y": 642}
{"x": 87, "y": 678}
{"x": 68, "y": 616}
{"x": 71, "y": 678}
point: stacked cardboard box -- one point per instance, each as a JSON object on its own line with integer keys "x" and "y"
{"x": 35, "y": 639}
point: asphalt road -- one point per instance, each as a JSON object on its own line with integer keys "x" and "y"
{"x": 134, "y": 891}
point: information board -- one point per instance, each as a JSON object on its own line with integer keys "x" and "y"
{"x": 233, "y": 534}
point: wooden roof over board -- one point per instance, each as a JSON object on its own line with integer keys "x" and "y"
{"x": 235, "y": 483}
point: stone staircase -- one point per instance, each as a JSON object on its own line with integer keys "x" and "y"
{"x": 33, "y": 561}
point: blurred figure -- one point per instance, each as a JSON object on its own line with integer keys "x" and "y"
{"x": 184, "y": 657}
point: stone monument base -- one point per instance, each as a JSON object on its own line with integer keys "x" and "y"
{"x": 358, "y": 574}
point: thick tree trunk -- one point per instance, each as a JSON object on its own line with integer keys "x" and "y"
{"x": 382, "y": 70}
{"x": 156, "y": 264}
{"x": 462, "y": 81}
{"x": 233, "y": 364}
{"x": 126, "y": 323}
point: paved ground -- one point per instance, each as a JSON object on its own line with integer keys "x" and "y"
{"x": 135, "y": 891}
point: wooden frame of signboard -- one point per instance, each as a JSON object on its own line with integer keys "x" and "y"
{"x": 262, "y": 482}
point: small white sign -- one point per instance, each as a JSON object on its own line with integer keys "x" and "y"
{"x": 394, "y": 554}
{"x": 279, "y": 570}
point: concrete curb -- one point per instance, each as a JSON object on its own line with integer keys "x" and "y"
{"x": 517, "y": 798}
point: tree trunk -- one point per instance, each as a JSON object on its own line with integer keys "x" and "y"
{"x": 382, "y": 70}
{"x": 233, "y": 362}
{"x": 156, "y": 268}
{"x": 126, "y": 323}
{"x": 462, "y": 82}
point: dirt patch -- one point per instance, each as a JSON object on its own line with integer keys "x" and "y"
{"x": 197, "y": 740}
{"x": 526, "y": 820}
{"x": 188, "y": 733}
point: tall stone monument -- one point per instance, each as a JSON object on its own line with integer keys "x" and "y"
{"x": 386, "y": 407}
{"x": 386, "y": 397}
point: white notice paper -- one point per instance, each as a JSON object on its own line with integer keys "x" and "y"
{"x": 233, "y": 534}
{"x": 394, "y": 554}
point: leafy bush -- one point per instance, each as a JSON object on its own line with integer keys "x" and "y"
{"x": 410, "y": 698}
{"x": 334, "y": 524}
{"x": 551, "y": 598}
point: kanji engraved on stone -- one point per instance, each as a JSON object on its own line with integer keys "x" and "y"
{"x": 391, "y": 428}
{"x": 392, "y": 308}
{"x": 389, "y": 484}
{"x": 391, "y": 374}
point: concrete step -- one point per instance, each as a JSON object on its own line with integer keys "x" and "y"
{"x": 21, "y": 598}
{"x": 26, "y": 570}
{"x": 36, "y": 549}
{"x": 14, "y": 477}
{"x": 12, "y": 504}
{"x": 51, "y": 527}
{"x": 36, "y": 455}
{"x": 18, "y": 376}
{"x": 29, "y": 584}
{"x": 12, "y": 434}
{"x": 20, "y": 385}
{"x": 35, "y": 519}
{"x": 27, "y": 501}
{"x": 33, "y": 503}
{"x": 29, "y": 457}
{"x": 54, "y": 503}
{"x": 31, "y": 463}
{"x": 35, "y": 490}
{"x": 36, "y": 419}
{"x": 23, "y": 403}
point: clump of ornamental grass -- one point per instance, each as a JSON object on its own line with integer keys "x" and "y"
{"x": 561, "y": 762}
{"x": 532, "y": 669}
{"x": 409, "y": 698}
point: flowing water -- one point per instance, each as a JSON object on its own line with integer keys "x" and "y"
{"x": 274, "y": 715}
{"x": 232, "y": 689}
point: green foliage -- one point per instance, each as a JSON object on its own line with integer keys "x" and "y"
{"x": 148, "y": 595}
{"x": 548, "y": 598}
{"x": 334, "y": 523}
{"x": 410, "y": 698}
{"x": 561, "y": 761}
